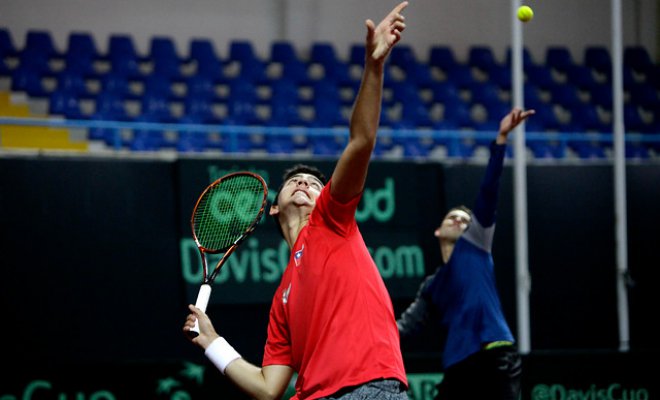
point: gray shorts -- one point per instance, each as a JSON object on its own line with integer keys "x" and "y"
{"x": 382, "y": 389}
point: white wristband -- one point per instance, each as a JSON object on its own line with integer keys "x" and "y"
{"x": 221, "y": 353}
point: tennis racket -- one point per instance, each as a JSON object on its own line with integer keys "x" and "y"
{"x": 226, "y": 213}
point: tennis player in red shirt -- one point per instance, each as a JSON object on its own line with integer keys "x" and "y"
{"x": 331, "y": 318}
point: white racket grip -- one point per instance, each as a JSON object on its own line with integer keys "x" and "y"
{"x": 202, "y": 302}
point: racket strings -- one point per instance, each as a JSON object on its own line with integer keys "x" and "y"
{"x": 227, "y": 210}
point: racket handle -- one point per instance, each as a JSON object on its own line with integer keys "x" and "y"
{"x": 202, "y": 302}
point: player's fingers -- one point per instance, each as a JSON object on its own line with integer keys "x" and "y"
{"x": 400, "y": 7}
{"x": 399, "y": 26}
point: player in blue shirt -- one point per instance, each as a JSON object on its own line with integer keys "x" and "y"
{"x": 480, "y": 359}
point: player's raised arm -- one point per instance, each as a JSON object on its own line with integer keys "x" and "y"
{"x": 351, "y": 170}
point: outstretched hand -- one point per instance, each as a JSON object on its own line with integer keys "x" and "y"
{"x": 511, "y": 121}
{"x": 381, "y": 38}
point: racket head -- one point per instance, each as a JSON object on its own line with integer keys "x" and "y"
{"x": 228, "y": 210}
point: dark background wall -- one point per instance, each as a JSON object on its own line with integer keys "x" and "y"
{"x": 91, "y": 267}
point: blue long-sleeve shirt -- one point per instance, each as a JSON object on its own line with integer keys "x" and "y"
{"x": 463, "y": 293}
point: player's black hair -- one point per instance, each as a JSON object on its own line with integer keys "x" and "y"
{"x": 296, "y": 169}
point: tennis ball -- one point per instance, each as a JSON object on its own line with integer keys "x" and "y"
{"x": 525, "y": 13}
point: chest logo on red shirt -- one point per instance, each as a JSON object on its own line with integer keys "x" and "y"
{"x": 297, "y": 256}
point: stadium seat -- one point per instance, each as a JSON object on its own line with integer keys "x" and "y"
{"x": 82, "y": 44}
{"x": 28, "y": 81}
{"x": 541, "y": 77}
{"x": 458, "y": 112}
{"x": 481, "y": 57}
{"x": 501, "y": 76}
{"x": 155, "y": 108}
{"x": 558, "y": 58}
{"x": 445, "y": 92}
{"x": 356, "y": 54}
{"x": 283, "y": 52}
{"x": 201, "y": 87}
{"x": 565, "y": 96}
{"x": 7, "y": 47}
{"x": 65, "y": 104}
{"x": 581, "y": 77}
{"x": 158, "y": 85}
{"x": 601, "y": 95}
{"x": 442, "y": 57}
{"x": 72, "y": 82}
{"x": 527, "y": 59}
{"x": 122, "y": 45}
{"x": 598, "y": 59}
{"x": 41, "y": 42}
{"x": 637, "y": 58}
{"x": 165, "y": 58}
{"x": 462, "y": 77}
{"x": 199, "y": 109}
{"x": 402, "y": 56}
{"x": 110, "y": 107}
{"x": 208, "y": 63}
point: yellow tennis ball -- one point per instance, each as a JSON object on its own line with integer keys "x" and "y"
{"x": 525, "y": 13}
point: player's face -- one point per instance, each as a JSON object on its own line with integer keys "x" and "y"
{"x": 454, "y": 224}
{"x": 301, "y": 190}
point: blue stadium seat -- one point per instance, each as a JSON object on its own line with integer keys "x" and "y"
{"x": 357, "y": 54}
{"x": 402, "y": 56}
{"x": 158, "y": 85}
{"x": 200, "y": 110}
{"x": 65, "y": 104}
{"x": 565, "y": 95}
{"x": 598, "y": 58}
{"x": 527, "y": 59}
{"x": 28, "y": 81}
{"x": 7, "y": 47}
{"x": 165, "y": 58}
{"x": 462, "y": 77}
{"x": 645, "y": 96}
{"x": 41, "y": 42}
{"x": 82, "y": 44}
{"x": 190, "y": 140}
{"x": 419, "y": 74}
{"x": 485, "y": 93}
{"x": 201, "y": 87}
{"x": 327, "y": 113}
{"x": 482, "y": 57}
{"x": 326, "y": 145}
{"x": 122, "y": 45}
{"x": 445, "y": 92}
{"x": 442, "y": 57}
{"x": 458, "y": 112}
{"x": 155, "y": 108}
{"x": 586, "y": 117}
{"x": 601, "y": 95}
{"x": 110, "y": 107}
{"x": 72, "y": 82}
{"x": 323, "y": 53}
{"x": 581, "y": 77}
{"x": 279, "y": 144}
{"x": 209, "y": 64}
{"x": 637, "y": 58}
{"x": 414, "y": 114}
{"x": 532, "y": 96}
{"x": 540, "y": 76}
{"x": 501, "y": 76}
{"x": 147, "y": 139}
{"x": 282, "y": 51}
{"x": 241, "y": 51}
{"x": 80, "y": 64}
{"x": 559, "y": 58}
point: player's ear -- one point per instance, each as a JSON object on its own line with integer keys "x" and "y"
{"x": 274, "y": 209}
